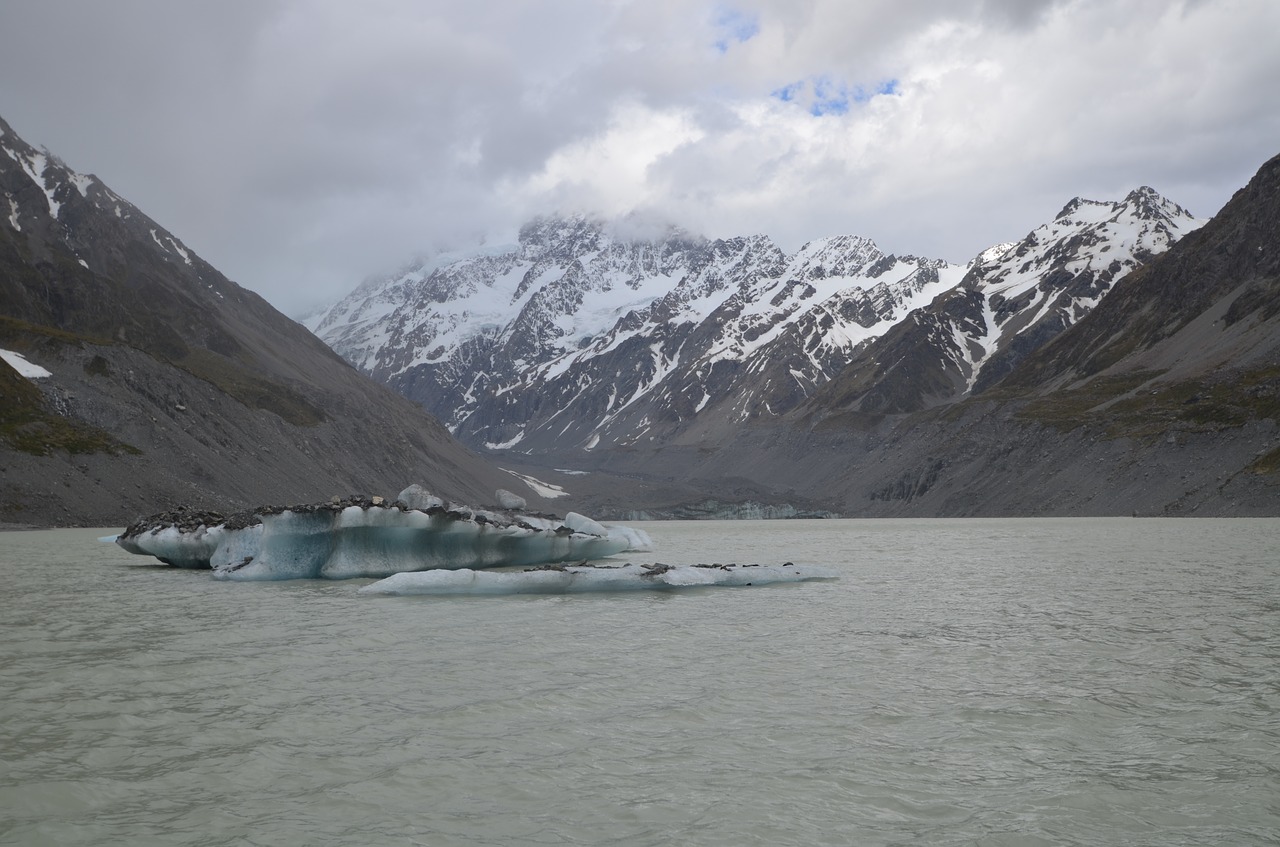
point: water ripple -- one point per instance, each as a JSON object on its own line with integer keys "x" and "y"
{"x": 965, "y": 682}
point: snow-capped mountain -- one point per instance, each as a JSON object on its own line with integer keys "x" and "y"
{"x": 1014, "y": 299}
{"x": 579, "y": 336}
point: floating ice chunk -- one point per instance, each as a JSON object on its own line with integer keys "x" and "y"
{"x": 181, "y": 548}
{"x": 366, "y": 538}
{"x": 510, "y": 500}
{"x": 582, "y": 523}
{"x": 417, "y": 497}
{"x": 585, "y": 578}
{"x": 637, "y": 540}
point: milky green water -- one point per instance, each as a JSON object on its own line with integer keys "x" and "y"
{"x": 991, "y": 682}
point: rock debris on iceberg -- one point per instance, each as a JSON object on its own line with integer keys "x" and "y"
{"x": 562, "y": 579}
{"x": 367, "y": 537}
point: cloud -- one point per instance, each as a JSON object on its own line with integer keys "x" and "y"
{"x": 302, "y": 144}
{"x": 610, "y": 172}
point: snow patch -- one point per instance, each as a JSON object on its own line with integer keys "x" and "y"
{"x": 505, "y": 445}
{"x": 34, "y": 166}
{"x": 542, "y": 489}
{"x": 19, "y": 363}
{"x": 82, "y": 183}
{"x": 186, "y": 257}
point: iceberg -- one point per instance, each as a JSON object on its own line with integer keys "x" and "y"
{"x": 568, "y": 579}
{"x": 368, "y": 537}
{"x": 583, "y": 577}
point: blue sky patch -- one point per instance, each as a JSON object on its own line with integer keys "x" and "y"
{"x": 787, "y": 93}
{"x": 823, "y": 95}
{"x": 830, "y": 97}
{"x": 733, "y": 27}
{"x": 863, "y": 95}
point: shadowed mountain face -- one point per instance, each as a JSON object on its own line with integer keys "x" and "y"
{"x": 1206, "y": 309}
{"x": 1164, "y": 399}
{"x": 171, "y": 384}
{"x": 1186, "y": 347}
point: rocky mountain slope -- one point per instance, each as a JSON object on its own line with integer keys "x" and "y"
{"x": 1162, "y": 400}
{"x": 169, "y": 383}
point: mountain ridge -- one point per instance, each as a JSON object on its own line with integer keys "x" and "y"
{"x": 972, "y": 404}
{"x": 575, "y": 340}
{"x": 1163, "y": 400}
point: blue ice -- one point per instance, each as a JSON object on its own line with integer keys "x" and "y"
{"x": 377, "y": 541}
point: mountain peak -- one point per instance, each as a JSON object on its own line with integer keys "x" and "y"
{"x": 1143, "y": 203}
{"x": 1070, "y": 209}
{"x": 547, "y": 230}
{"x": 1148, "y": 204}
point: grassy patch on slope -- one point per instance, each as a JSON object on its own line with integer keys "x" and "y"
{"x": 1123, "y": 409}
{"x": 27, "y": 426}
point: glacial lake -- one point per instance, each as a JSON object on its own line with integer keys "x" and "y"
{"x": 963, "y": 682}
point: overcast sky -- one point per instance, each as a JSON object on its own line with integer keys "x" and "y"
{"x": 301, "y": 145}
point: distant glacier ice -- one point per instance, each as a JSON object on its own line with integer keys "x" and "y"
{"x": 365, "y": 537}
{"x": 587, "y": 578}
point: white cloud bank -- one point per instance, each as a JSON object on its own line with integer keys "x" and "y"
{"x": 301, "y": 144}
